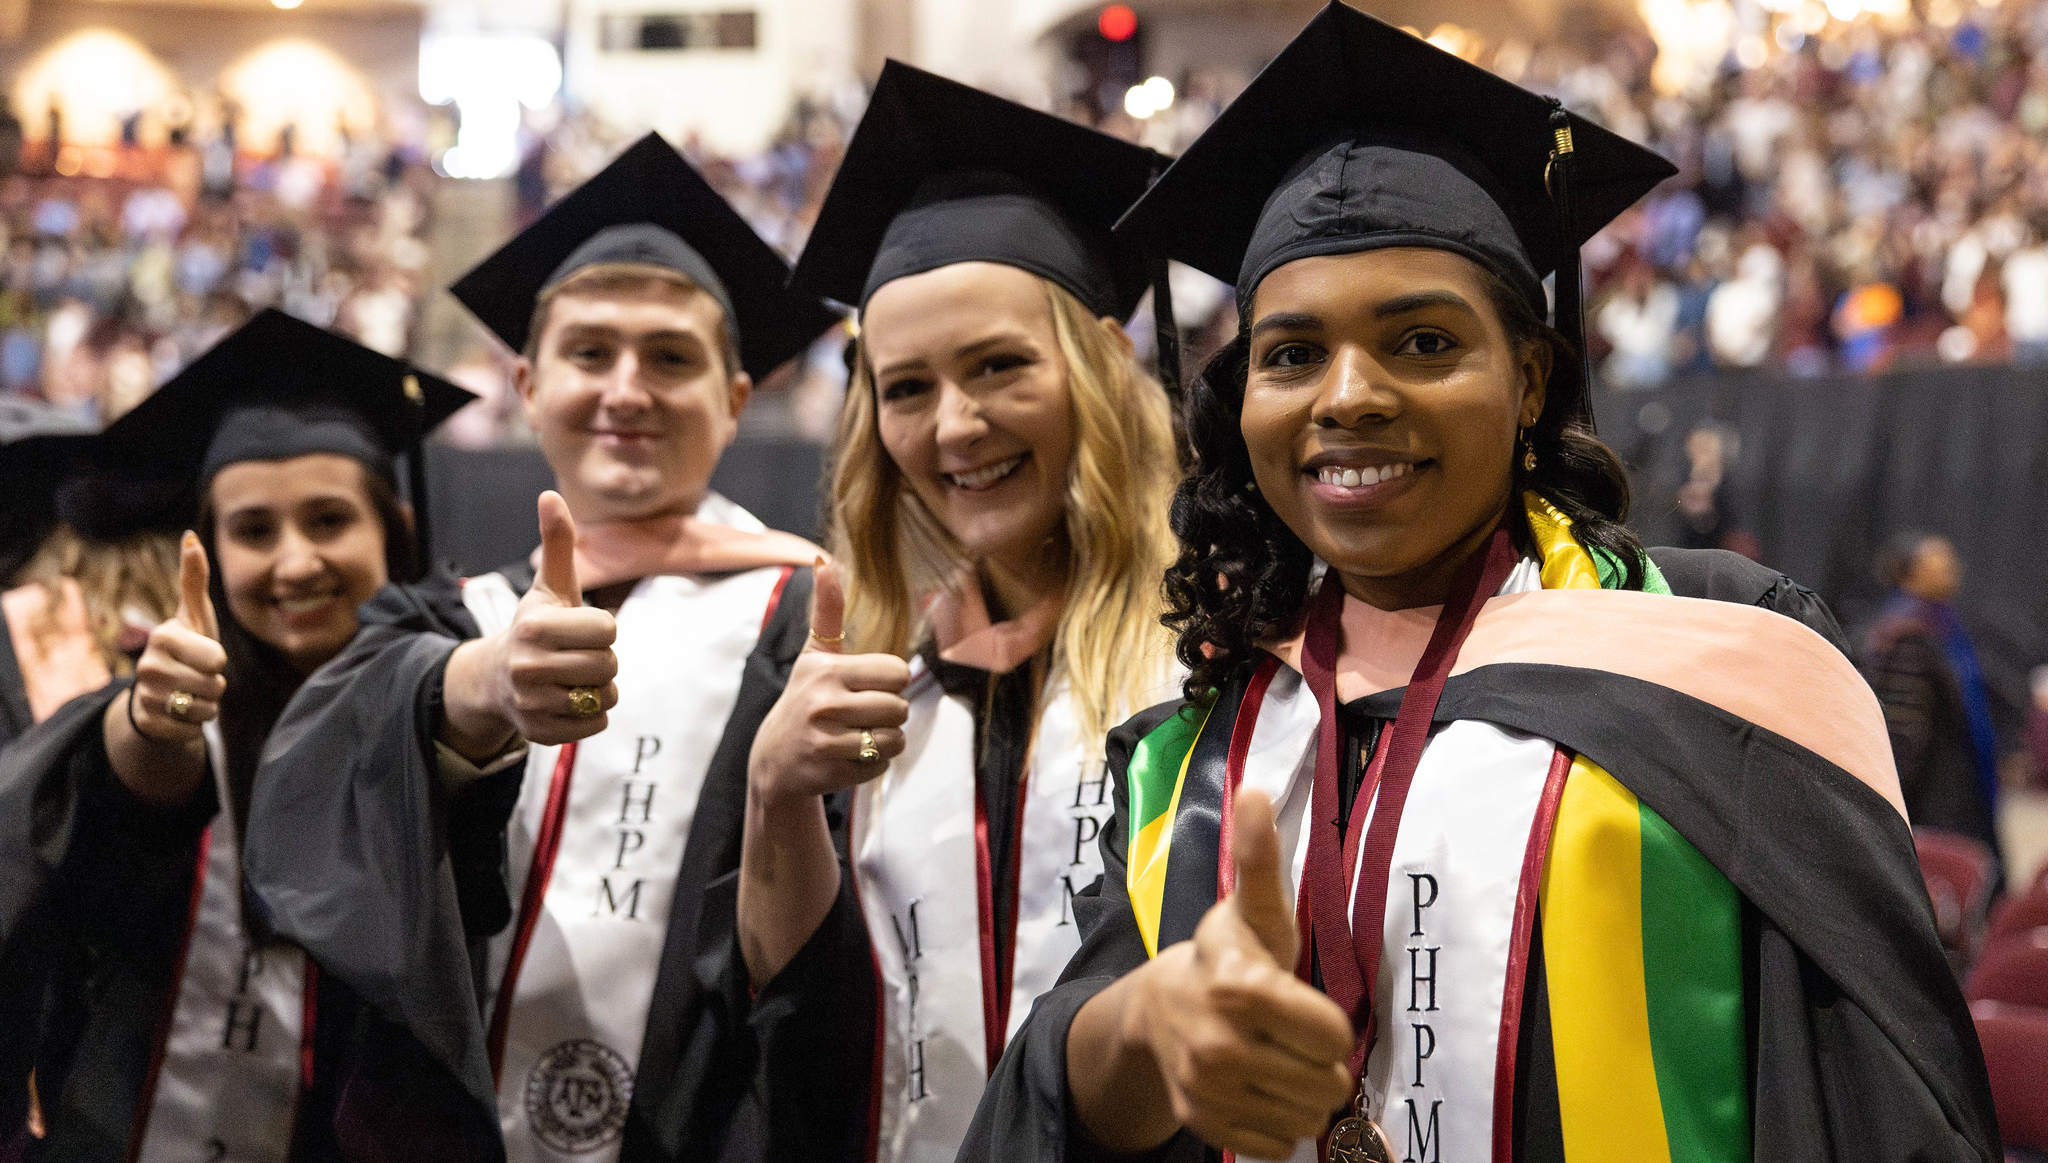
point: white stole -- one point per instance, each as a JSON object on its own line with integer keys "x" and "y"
{"x": 1460, "y": 855}
{"x": 915, "y": 869}
{"x": 592, "y": 950}
{"x": 227, "y": 1087}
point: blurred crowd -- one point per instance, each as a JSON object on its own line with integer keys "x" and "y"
{"x": 110, "y": 284}
{"x": 1855, "y": 195}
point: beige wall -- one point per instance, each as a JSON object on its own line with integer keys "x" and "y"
{"x": 196, "y": 43}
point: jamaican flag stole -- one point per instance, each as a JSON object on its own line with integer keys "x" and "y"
{"x": 1641, "y": 935}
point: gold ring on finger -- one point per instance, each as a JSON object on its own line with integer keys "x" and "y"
{"x": 178, "y": 705}
{"x": 585, "y": 702}
{"x": 828, "y": 639}
{"x": 868, "y": 751}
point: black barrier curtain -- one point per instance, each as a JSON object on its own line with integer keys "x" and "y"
{"x": 1823, "y": 472}
{"x": 1826, "y": 470}
{"x": 483, "y": 502}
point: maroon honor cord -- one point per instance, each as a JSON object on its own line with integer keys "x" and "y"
{"x": 1349, "y": 955}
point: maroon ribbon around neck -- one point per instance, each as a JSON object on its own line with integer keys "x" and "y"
{"x": 1348, "y": 940}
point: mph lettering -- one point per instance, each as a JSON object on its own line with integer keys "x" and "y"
{"x": 912, "y": 944}
{"x": 1425, "y": 1142}
{"x": 621, "y": 898}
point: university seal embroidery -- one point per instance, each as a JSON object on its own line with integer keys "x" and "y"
{"x": 577, "y": 1094}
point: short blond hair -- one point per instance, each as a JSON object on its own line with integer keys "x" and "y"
{"x": 612, "y": 278}
{"x": 892, "y": 552}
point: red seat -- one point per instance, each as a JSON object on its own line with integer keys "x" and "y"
{"x": 2017, "y": 914}
{"x": 1959, "y": 872}
{"x": 2015, "y": 969}
{"x": 2015, "y": 1040}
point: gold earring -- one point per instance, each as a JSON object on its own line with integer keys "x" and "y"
{"x": 1528, "y": 452}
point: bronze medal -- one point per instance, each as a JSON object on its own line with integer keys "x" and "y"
{"x": 1357, "y": 1139}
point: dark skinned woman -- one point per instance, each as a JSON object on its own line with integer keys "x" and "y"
{"x": 1627, "y": 869}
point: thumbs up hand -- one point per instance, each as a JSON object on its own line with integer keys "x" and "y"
{"x": 840, "y": 718}
{"x": 556, "y": 666}
{"x": 180, "y": 678}
{"x": 1253, "y": 1059}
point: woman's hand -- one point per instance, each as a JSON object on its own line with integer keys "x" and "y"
{"x": 517, "y": 682}
{"x": 1217, "y": 1034}
{"x": 810, "y": 743}
{"x": 153, "y": 733}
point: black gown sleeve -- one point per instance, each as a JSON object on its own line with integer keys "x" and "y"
{"x": 350, "y": 855}
{"x": 690, "y": 1090}
{"x": 1722, "y": 576}
{"x": 15, "y": 715}
{"x": 95, "y": 896}
{"x": 802, "y": 1062}
{"x": 1025, "y": 1114}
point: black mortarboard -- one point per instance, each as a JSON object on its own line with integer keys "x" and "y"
{"x": 940, "y": 173}
{"x": 1359, "y": 135}
{"x": 32, "y": 471}
{"x": 274, "y": 389}
{"x": 651, "y": 207}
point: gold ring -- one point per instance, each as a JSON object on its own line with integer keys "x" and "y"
{"x": 585, "y": 702}
{"x": 178, "y": 705}
{"x": 829, "y": 640}
{"x": 868, "y": 751}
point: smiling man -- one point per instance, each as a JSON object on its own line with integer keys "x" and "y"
{"x": 623, "y": 670}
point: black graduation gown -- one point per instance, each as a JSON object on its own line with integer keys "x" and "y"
{"x": 1861, "y": 1048}
{"x": 15, "y": 716}
{"x": 815, "y": 1022}
{"x": 346, "y": 860}
{"x": 95, "y": 886}
{"x": 93, "y": 919}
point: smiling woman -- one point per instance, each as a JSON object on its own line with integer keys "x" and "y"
{"x": 1455, "y": 848}
{"x": 999, "y": 516}
{"x": 286, "y": 435}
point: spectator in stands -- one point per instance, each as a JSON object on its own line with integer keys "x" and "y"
{"x": 1742, "y": 313}
{"x": 2025, "y": 281}
{"x": 1641, "y": 320}
{"x": 1921, "y": 663}
{"x": 2037, "y": 729}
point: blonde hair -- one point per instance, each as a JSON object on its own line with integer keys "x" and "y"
{"x": 612, "y": 278}
{"x": 892, "y": 552}
{"x": 138, "y": 572}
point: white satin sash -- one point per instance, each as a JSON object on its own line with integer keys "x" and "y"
{"x": 915, "y": 867}
{"x": 227, "y": 1087}
{"x": 588, "y": 957}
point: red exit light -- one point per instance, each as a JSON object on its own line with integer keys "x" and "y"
{"x": 1117, "y": 22}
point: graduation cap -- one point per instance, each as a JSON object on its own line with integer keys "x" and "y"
{"x": 651, "y": 207}
{"x": 274, "y": 389}
{"x": 939, "y": 173}
{"x": 33, "y": 469}
{"x": 1360, "y": 136}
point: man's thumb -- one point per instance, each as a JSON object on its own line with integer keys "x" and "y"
{"x": 828, "y": 608}
{"x": 195, "y": 605}
{"x": 1261, "y": 894}
{"x": 557, "y": 573}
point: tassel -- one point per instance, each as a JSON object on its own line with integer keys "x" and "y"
{"x": 416, "y": 474}
{"x": 1569, "y": 314}
{"x": 1165, "y": 332}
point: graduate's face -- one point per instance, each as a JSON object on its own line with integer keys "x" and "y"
{"x": 1381, "y": 410}
{"x": 631, "y": 398}
{"x": 299, "y": 546}
{"x": 972, "y": 402}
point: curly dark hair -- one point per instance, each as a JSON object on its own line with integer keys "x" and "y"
{"x": 1243, "y": 576}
